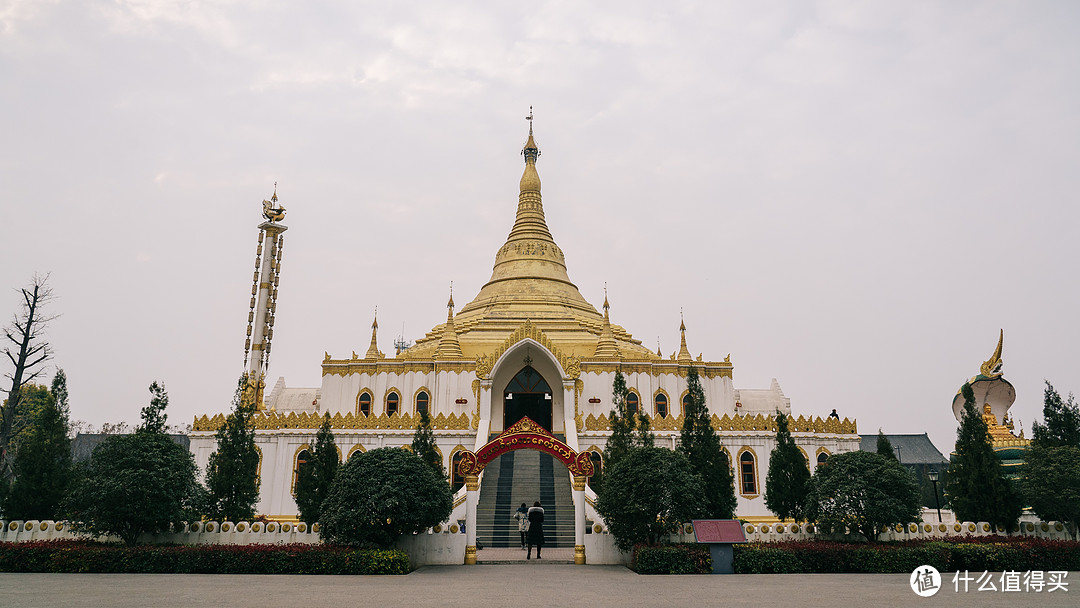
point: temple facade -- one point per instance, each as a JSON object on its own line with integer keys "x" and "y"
{"x": 527, "y": 346}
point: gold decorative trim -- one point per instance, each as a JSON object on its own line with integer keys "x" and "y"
{"x": 579, "y": 555}
{"x": 347, "y": 367}
{"x": 571, "y": 364}
{"x": 710, "y": 370}
{"x": 354, "y": 449}
{"x": 739, "y": 422}
{"x": 472, "y": 483}
{"x": 470, "y": 555}
{"x": 271, "y": 421}
{"x": 579, "y": 483}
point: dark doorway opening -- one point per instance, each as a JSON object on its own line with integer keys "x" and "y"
{"x": 527, "y": 395}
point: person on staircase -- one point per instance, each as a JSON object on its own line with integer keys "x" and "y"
{"x": 522, "y": 517}
{"x": 535, "y": 534}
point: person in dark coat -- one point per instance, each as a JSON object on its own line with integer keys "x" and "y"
{"x": 535, "y": 535}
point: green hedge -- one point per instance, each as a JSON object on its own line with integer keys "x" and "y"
{"x": 689, "y": 558}
{"x": 995, "y": 554}
{"x": 77, "y": 556}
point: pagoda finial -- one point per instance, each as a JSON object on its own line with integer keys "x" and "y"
{"x": 449, "y": 346}
{"x": 373, "y": 351}
{"x": 684, "y": 353}
{"x": 531, "y": 151}
{"x": 606, "y": 347}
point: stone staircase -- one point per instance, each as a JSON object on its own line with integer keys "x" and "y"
{"x": 524, "y": 476}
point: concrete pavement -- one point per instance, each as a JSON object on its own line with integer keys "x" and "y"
{"x": 517, "y": 586}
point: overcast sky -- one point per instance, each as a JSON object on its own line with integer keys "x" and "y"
{"x": 850, "y": 197}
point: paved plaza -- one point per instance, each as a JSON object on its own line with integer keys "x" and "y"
{"x": 515, "y": 585}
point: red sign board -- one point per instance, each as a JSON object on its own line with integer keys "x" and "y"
{"x": 719, "y": 531}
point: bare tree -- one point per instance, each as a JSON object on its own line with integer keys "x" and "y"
{"x": 27, "y": 351}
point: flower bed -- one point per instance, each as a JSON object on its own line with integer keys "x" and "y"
{"x": 77, "y": 556}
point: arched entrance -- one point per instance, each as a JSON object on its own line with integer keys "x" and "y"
{"x": 527, "y": 395}
{"x": 525, "y": 434}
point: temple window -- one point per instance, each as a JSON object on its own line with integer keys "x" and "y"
{"x": 392, "y": 401}
{"x": 633, "y": 402}
{"x": 661, "y": 405}
{"x": 748, "y": 474}
{"x": 363, "y": 404}
{"x": 598, "y": 467}
{"x": 421, "y": 402}
{"x": 302, "y": 458}
{"x": 822, "y": 457}
{"x": 456, "y": 478}
{"x": 685, "y": 402}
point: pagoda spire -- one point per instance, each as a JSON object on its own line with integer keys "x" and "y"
{"x": 449, "y": 346}
{"x": 606, "y": 347}
{"x": 684, "y": 355}
{"x": 373, "y": 351}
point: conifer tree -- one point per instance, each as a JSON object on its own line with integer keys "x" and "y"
{"x": 884, "y": 446}
{"x": 643, "y": 438}
{"x": 701, "y": 445}
{"x": 42, "y": 465}
{"x": 622, "y": 423}
{"x": 787, "y": 486}
{"x": 977, "y": 487}
{"x": 153, "y": 415}
{"x": 232, "y": 475}
{"x": 315, "y": 476}
{"x": 1051, "y": 473}
{"x": 423, "y": 444}
{"x": 59, "y": 391}
{"x": 1061, "y": 421}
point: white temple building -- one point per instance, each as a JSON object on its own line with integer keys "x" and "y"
{"x": 527, "y": 345}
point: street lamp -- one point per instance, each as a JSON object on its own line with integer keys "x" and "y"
{"x": 933, "y": 476}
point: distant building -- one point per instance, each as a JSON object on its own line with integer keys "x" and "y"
{"x": 916, "y": 452}
{"x": 84, "y": 443}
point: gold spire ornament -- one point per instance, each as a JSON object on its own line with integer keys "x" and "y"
{"x": 991, "y": 368}
{"x": 606, "y": 347}
{"x": 373, "y": 351}
{"x": 684, "y": 353}
{"x": 449, "y": 346}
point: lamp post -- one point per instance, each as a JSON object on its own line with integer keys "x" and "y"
{"x": 933, "y": 476}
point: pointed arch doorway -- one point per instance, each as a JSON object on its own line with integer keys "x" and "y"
{"x": 527, "y": 395}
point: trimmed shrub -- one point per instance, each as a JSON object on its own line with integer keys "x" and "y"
{"x": 672, "y": 559}
{"x": 995, "y": 554}
{"x": 77, "y": 556}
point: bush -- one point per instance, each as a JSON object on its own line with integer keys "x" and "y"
{"x": 76, "y": 556}
{"x": 995, "y": 554}
{"x": 672, "y": 559}
{"x": 381, "y": 494}
{"x": 647, "y": 494}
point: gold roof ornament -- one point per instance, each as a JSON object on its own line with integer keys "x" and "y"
{"x": 373, "y": 351}
{"x": 991, "y": 368}
{"x": 449, "y": 346}
{"x": 606, "y": 347}
{"x": 684, "y": 353}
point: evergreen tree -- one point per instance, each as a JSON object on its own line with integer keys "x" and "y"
{"x": 865, "y": 492}
{"x": 884, "y": 446}
{"x": 315, "y": 476}
{"x": 643, "y": 438}
{"x": 622, "y": 423}
{"x": 232, "y": 475}
{"x": 423, "y": 445}
{"x": 153, "y": 415}
{"x": 59, "y": 392}
{"x": 42, "y": 465}
{"x": 1061, "y": 421}
{"x": 787, "y": 486}
{"x": 977, "y": 487}
{"x": 1051, "y": 473}
{"x": 701, "y": 445}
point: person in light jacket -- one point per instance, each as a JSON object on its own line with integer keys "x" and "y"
{"x": 535, "y": 535}
{"x": 522, "y": 517}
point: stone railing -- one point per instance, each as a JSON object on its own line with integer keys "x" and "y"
{"x": 195, "y": 533}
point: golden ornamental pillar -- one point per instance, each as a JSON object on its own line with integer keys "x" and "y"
{"x": 579, "y": 519}
{"x": 472, "y": 495}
